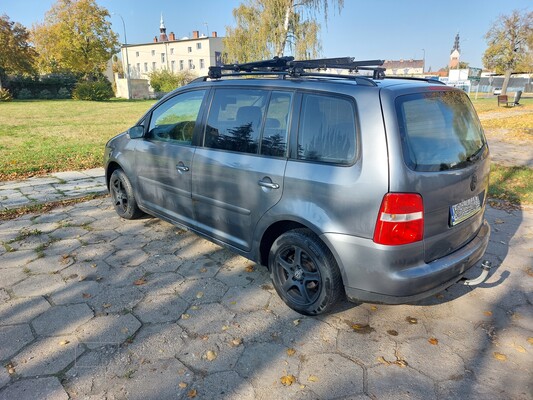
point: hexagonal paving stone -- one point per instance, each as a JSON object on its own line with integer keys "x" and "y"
{"x": 206, "y": 319}
{"x": 13, "y": 338}
{"x": 342, "y": 379}
{"x": 62, "y": 248}
{"x": 160, "y": 308}
{"x": 256, "y": 326}
{"x": 395, "y": 382}
{"x": 18, "y": 258}
{"x": 127, "y": 258}
{"x": 309, "y": 335}
{"x": 62, "y": 320}
{"x": 162, "y": 283}
{"x": 4, "y": 378}
{"x": 94, "y": 252}
{"x": 10, "y": 276}
{"x": 107, "y": 330}
{"x": 201, "y": 291}
{"x": 367, "y": 348}
{"x": 38, "y": 285}
{"x": 31, "y": 389}
{"x": 158, "y": 263}
{"x": 228, "y": 385}
{"x": 47, "y": 356}
{"x": 19, "y": 311}
{"x": 112, "y": 300}
{"x": 49, "y": 265}
{"x": 197, "y": 268}
{"x": 158, "y": 341}
{"x": 248, "y": 298}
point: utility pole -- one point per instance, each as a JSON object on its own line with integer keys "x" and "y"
{"x": 125, "y": 47}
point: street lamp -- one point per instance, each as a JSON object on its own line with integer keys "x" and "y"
{"x": 127, "y": 59}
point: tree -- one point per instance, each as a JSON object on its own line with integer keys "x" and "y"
{"x": 16, "y": 54}
{"x": 76, "y": 37}
{"x": 509, "y": 45}
{"x": 267, "y": 28}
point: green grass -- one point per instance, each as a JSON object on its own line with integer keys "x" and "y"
{"x": 513, "y": 184}
{"x": 38, "y": 137}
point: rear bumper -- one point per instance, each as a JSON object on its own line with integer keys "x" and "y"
{"x": 397, "y": 274}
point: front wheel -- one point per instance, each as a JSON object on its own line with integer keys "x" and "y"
{"x": 304, "y": 272}
{"x": 122, "y": 196}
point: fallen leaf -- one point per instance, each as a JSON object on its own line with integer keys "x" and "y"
{"x": 181, "y": 371}
{"x": 291, "y": 352}
{"x": 203, "y": 270}
{"x": 236, "y": 342}
{"x": 233, "y": 303}
{"x": 185, "y": 316}
{"x": 287, "y": 380}
{"x": 519, "y": 348}
{"x": 433, "y": 341}
{"x": 182, "y": 385}
{"x": 373, "y": 308}
{"x": 11, "y": 371}
{"x": 312, "y": 378}
{"x": 249, "y": 268}
{"x": 225, "y": 328}
{"x": 192, "y": 394}
{"x": 362, "y": 328}
{"x": 93, "y": 265}
{"x": 499, "y": 221}
{"x": 296, "y": 322}
{"x": 64, "y": 342}
{"x": 392, "y": 332}
{"x": 488, "y": 313}
{"x": 194, "y": 307}
{"x": 529, "y": 271}
{"x": 211, "y": 355}
{"x": 401, "y": 363}
{"x": 382, "y": 360}
{"x": 124, "y": 330}
{"x": 86, "y": 295}
{"x": 139, "y": 282}
{"x": 500, "y": 356}
{"x": 530, "y": 340}
{"x": 411, "y": 320}
{"x": 199, "y": 295}
{"x": 106, "y": 305}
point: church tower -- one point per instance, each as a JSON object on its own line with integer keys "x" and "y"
{"x": 163, "y": 31}
{"x": 455, "y": 54}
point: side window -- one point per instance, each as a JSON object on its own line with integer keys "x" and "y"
{"x": 327, "y": 130}
{"x": 175, "y": 119}
{"x": 235, "y": 120}
{"x": 274, "y": 141}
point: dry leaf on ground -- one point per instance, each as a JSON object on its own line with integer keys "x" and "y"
{"x": 287, "y": 380}
{"x": 182, "y": 385}
{"x": 211, "y": 355}
{"x": 500, "y": 356}
{"x": 192, "y": 394}
{"x": 312, "y": 378}
{"x": 290, "y": 352}
{"x": 433, "y": 341}
{"x": 139, "y": 282}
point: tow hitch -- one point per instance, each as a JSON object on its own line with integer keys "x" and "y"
{"x": 485, "y": 265}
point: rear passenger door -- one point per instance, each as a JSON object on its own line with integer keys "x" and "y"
{"x": 238, "y": 173}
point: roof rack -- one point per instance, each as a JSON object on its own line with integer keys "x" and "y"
{"x": 287, "y": 66}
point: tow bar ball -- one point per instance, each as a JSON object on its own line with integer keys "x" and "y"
{"x": 485, "y": 265}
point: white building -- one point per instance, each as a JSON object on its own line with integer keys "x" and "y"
{"x": 194, "y": 54}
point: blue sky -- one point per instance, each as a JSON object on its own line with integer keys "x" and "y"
{"x": 384, "y": 29}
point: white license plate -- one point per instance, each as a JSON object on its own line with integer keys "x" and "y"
{"x": 464, "y": 210}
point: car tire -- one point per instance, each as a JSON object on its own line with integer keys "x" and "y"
{"x": 304, "y": 272}
{"x": 122, "y": 195}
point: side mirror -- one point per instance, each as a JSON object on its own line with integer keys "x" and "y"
{"x": 136, "y": 132}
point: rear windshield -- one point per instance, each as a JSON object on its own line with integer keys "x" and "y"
{"x": 440, "y": 130}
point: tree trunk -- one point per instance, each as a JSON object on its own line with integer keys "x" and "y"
{"x": 283, "y": 39}
{"x": 506, "y": 81}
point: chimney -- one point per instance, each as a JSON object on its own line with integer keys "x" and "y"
{"x": 195, "y": 34}
{"x": 172, "y": 37}
{"x": 155, "y": 39}
{"x": 163, "y": 37}
{"x": 214, "y": 34}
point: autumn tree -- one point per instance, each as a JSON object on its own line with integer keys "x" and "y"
{"x": 16, "y": 54}
{"x": 510, "y": 41}
{"x": 76, "y": 36}
{"x": 267, "y": 28}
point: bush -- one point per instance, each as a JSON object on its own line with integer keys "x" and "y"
{"x": 63, "y": 93}
{"x": 45, "y": 94}
{"x": 95, "y": 91}
{"x": 5, "y": 95}
{"x": 24, "y": 94}
{"x": 166, "y": 81}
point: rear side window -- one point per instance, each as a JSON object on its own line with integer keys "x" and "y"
{"x": 440, "y": 130}
{"x": 327, "y": 129}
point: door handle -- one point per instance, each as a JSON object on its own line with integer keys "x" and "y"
{"x": 270, "y": 185}
{"x": 182, "y": 168}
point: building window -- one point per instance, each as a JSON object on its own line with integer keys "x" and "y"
{"x": 172, "y": 50}
{"x": 145, "y": 67}
{"x": 153, "y": 53}
{"x": 162, "y": 58}
{"x": 189, "y": 49}
{"x": 198, "y": 46}
{"x": 191, "y": 65}
{"x": 181, "y": 65}
{"x": 153, "y": 66}
{"x": 136, "y": 54}
{"x": 173, "y": 65}
{"x": 202, "y": 64}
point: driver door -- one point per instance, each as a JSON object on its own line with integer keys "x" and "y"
{"x": 164, "y": 157}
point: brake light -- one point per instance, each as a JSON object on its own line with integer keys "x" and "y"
{"x": 400, "y": 219}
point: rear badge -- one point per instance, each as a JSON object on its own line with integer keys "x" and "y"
{"x": 473, "y": 182}
{"x": 464, "y": 210}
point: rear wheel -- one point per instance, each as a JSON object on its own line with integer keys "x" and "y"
{"x": 122, "y": 195}
{"x": 304, "y": 272}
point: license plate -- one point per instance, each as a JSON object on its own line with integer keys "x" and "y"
{"x": 464, "y": 210}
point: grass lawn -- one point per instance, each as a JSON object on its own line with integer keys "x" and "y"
{"x": 59, "y": 135}
{"x": 37, "y": 137}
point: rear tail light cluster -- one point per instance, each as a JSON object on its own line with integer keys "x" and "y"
{"x": 400, "y": 219}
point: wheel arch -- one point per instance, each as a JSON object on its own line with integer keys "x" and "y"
{"x": 111, "y": 167}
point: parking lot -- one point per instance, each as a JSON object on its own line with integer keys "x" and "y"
{"x": 92, "y": 306}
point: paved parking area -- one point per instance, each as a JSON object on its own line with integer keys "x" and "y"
{"x": 93, "y": 307}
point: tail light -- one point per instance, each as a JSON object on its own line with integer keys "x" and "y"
{"x": 400, "y": 219}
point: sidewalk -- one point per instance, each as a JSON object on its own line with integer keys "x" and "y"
{"x": 54, "y": 187}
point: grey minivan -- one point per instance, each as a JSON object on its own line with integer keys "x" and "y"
{"x": 363, "y": 186}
